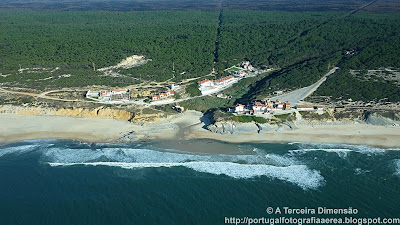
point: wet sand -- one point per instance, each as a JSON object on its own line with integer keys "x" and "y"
{"x": 205, "y": 146}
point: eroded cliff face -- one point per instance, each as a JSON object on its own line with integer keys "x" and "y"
{"x": 388, "y": 118}
{"x": 350, "y": 116}
{"x": 100, "y": 112}
{"x": 145, "y": 118}
{"x": 340, "y": 116}
{"x": 231, "y": 127}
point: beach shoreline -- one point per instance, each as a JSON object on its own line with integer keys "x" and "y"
{"x": 185, "y": 126}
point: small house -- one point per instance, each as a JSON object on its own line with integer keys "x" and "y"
{"x": 286, "y": 106}
{"x": 239, "y": 108}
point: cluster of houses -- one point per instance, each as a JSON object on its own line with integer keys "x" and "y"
{"x": 247, "y": 66}
{"x": 242, "y": 73}
{"x": 212, "y": 86}
{"x": 245, "y": 70}
{"x": 124, "y": 95}
{"x": 267, "y": 106}
{"x": 109, "y": 96}
{"x": 260, "y": 106}
{"x": 162, "y": 95}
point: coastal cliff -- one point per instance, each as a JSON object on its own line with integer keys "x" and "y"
{"x": 329, "y": 117}
{"x": 100, "y": 112}
{"x": 232, "y": 127}
{"x": 386, "y": 118}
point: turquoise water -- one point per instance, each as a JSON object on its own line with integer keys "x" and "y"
{"x": 67, "y": 182}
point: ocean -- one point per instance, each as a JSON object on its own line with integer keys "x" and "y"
{"x": 69, "y": 182}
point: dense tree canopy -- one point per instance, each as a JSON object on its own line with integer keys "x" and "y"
{"x": 306, "y": 45}
{"x": 74, "y": 41}
{"x": 303, "y": 45}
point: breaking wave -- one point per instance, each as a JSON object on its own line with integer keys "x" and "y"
{"x": 235, "y": 166}
{"x": 296, "y": 174}
{"x": 341, "y": 149}
{"x": 342, "y": 153}
{"x": 273, "y": 159}
{"x": 18, "y": 149}
{"x": 137, "y": 155}
{"x": 397, "y": 167}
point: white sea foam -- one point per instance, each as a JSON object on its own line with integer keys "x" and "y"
{"x": 341, "y": 152}
{"x": 17, "y": 150}
{"x": 296, "y": 174}
{"x": 397, "y": 167}
{"x": 359, "y": 171}
{"x": 138, "y": 156}
{"x": 342, "y": 148}
{"x": 274, "y": 159}
{"x": 236, "y": 166}
{"x": 279, "y": 160}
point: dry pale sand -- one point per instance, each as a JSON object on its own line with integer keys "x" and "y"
{"x": 20, "y": 127}
{"x": 181, "y": 127}
{"x": 353, "y": 134}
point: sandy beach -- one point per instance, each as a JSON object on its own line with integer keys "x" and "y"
{"x": 183, "y": 127}
{"x": 355, "y": 134}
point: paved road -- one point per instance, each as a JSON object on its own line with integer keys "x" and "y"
{"x": 295, "y": 96}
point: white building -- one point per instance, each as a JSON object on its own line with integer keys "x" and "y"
{"x": 155, "y": 97}
{"x": 222, "y": 96}
{"x": 120, "y": 91}
{"x": 174, "y": 86}
{"x": 162, "y": 95}
{"x": 212, "y": 86}
{"x": 305, "y": 108}
{"x": 259, "y": 106}
{"x": 206, "y": 83}
{"x": 225, "y": 81}
{"x": 239, "y": 108}
{"x": 94, "y": 94}
{"x": 114, "y": 95}
{"x": 246, "y": 65}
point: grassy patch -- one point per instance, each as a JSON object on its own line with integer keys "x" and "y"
{"x": 315, "y": 116}
{"x": 193, "y": 90}
{"x": 283, "y": 116}
{"x": 206, "y": 103}
{"x": 249, "y": 119}
{"x": 234, "y": 69}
